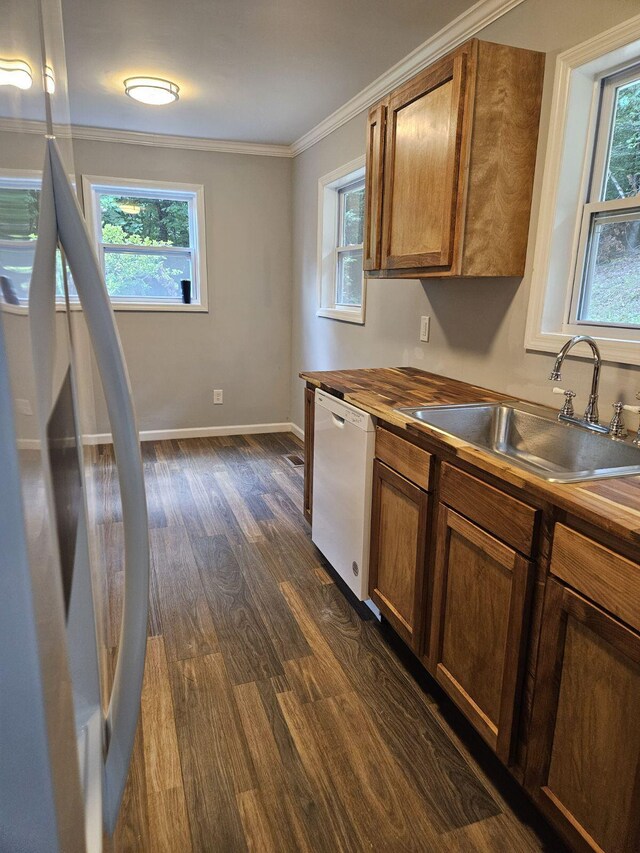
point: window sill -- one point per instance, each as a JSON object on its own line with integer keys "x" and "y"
{"x": 176, "y": 308}
{"x": 612, "y": 350}
{"x": 346, "y": 315}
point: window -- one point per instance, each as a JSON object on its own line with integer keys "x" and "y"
{"x": 586, "y": 267}
{"x": 607, "y": 284}
{"x": 19, "y": 208}
{"x": 150, "y": 238}
{"x": 341, "y": 283}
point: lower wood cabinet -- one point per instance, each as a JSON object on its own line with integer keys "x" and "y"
{"x": 457, "y": 588}
{"x": 479, "y": 626}
{"x": 309, "y": 421}
{"x": 583, "y": 767}
{"x": 398, "y": 547}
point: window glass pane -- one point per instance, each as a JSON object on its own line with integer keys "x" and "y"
{"x": 349, "y": 280}
{"x": 19, "y": 206}
{"x": 16, "y": 263}
{"x": 623, "y": 172}
{"x": 148, "y": 275}
{"x": 18, "y": 213}
{"x": 352, "y": 215}
{"x": 144, "y": 221}
{"x": 611, "y": 292}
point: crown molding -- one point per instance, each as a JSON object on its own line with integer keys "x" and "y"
{"x": 162, "y": 140}
{"x": 465, "y": 26}
{"x": 157, "y": 140}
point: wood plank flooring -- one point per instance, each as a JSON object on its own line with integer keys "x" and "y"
{"x": 274, "y": 717}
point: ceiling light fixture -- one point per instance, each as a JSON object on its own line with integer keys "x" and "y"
{"x": 49, "y": 80}
{"x": 132, "y": 209}
{"x": 15, "y": 72}
{"x": 151, "y": 90}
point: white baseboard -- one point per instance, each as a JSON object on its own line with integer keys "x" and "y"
{"x": 28, "y": 444}
{"x": 295, "y": 429}
{"x": 200, "y": 432}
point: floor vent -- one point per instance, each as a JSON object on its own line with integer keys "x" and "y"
{"x": 294, "y": 459}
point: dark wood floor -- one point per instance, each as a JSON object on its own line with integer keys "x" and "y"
{"x": 274, "y": 717}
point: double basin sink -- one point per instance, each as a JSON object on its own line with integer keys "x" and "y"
{"x": 532, "y": 438}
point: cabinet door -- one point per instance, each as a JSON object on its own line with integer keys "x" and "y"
{"x": 373, "y": 187}
{"x": 309, "y": 417}
{"x": 398, "y": 549}
{"x": 583, "y": 766}
{"x": 421, "y": 170}
{"x": 480, "y": 605}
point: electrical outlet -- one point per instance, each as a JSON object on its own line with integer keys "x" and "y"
{"x": 23, "y": 407}
{"x": 217, "y": 397}
{"x": 424, "y": 329}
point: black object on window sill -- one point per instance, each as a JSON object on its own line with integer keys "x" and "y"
{"x": 185, "y": 284}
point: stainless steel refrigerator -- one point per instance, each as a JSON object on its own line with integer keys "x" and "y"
{"x": 69, "y": 700}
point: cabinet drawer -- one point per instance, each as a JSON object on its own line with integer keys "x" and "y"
{"x": 507, "y": 518}
{"x": 412, "y": 462}
{"x": 610, "y": 580}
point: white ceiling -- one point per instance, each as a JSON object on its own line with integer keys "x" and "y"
{"x": 248, "y": 70}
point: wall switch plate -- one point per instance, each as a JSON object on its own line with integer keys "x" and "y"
{"x": 23, "y": 407}
{"x": 424, "y": 329}
{"x": 217, "y": 397}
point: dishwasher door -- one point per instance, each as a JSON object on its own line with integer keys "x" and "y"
{"x": 344, "y": 441}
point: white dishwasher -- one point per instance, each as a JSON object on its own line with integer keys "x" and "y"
{"x": 343, "y": 448}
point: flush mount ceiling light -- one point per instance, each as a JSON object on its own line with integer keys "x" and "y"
{"x": 151, "y": 90}
{"x": 15, "y": 72}
{"x": 132, "y": 209}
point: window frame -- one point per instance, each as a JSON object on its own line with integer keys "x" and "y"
{"x": 625, "y": 206}
{"x": 330, "y": 218}
{"x": 93, "y": 186}
{"x": 573, "y": 158}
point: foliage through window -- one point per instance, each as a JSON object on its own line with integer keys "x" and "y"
{"x": 340, "y": 236}
{"x": 349, "y": 250}
{"x": 607, "y": 288}
{"x": 148, "y": 241}
{"x": 19, "y": 206}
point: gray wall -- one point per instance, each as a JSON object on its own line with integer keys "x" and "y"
{"x": 242, "y": 344}
{"x": 477, "y": 326}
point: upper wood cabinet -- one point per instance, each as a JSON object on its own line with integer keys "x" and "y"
{"x": 373, "y": 187}
{"x": 450, "y": 163}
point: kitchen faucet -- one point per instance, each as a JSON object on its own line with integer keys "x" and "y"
{"x": 591, "y": 415}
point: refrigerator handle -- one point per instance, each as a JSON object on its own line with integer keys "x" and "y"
{"x": 124, "y": 703}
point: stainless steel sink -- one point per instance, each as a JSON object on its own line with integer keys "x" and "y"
{"x": 531, "y": 437}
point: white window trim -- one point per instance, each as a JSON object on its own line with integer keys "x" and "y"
{"x": 328, "y": 217}
{"x": 567, "y": 166}
{"x": 92, "y": 184}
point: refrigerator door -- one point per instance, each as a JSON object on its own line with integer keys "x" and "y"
{"x": 41, "y": 796}
{"x": 64, "y": 748}
{"x": 124, "y": 705}
{"x": 41, "y": 802}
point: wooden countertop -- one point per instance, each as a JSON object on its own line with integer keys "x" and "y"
{"x": 613, "y": 505}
